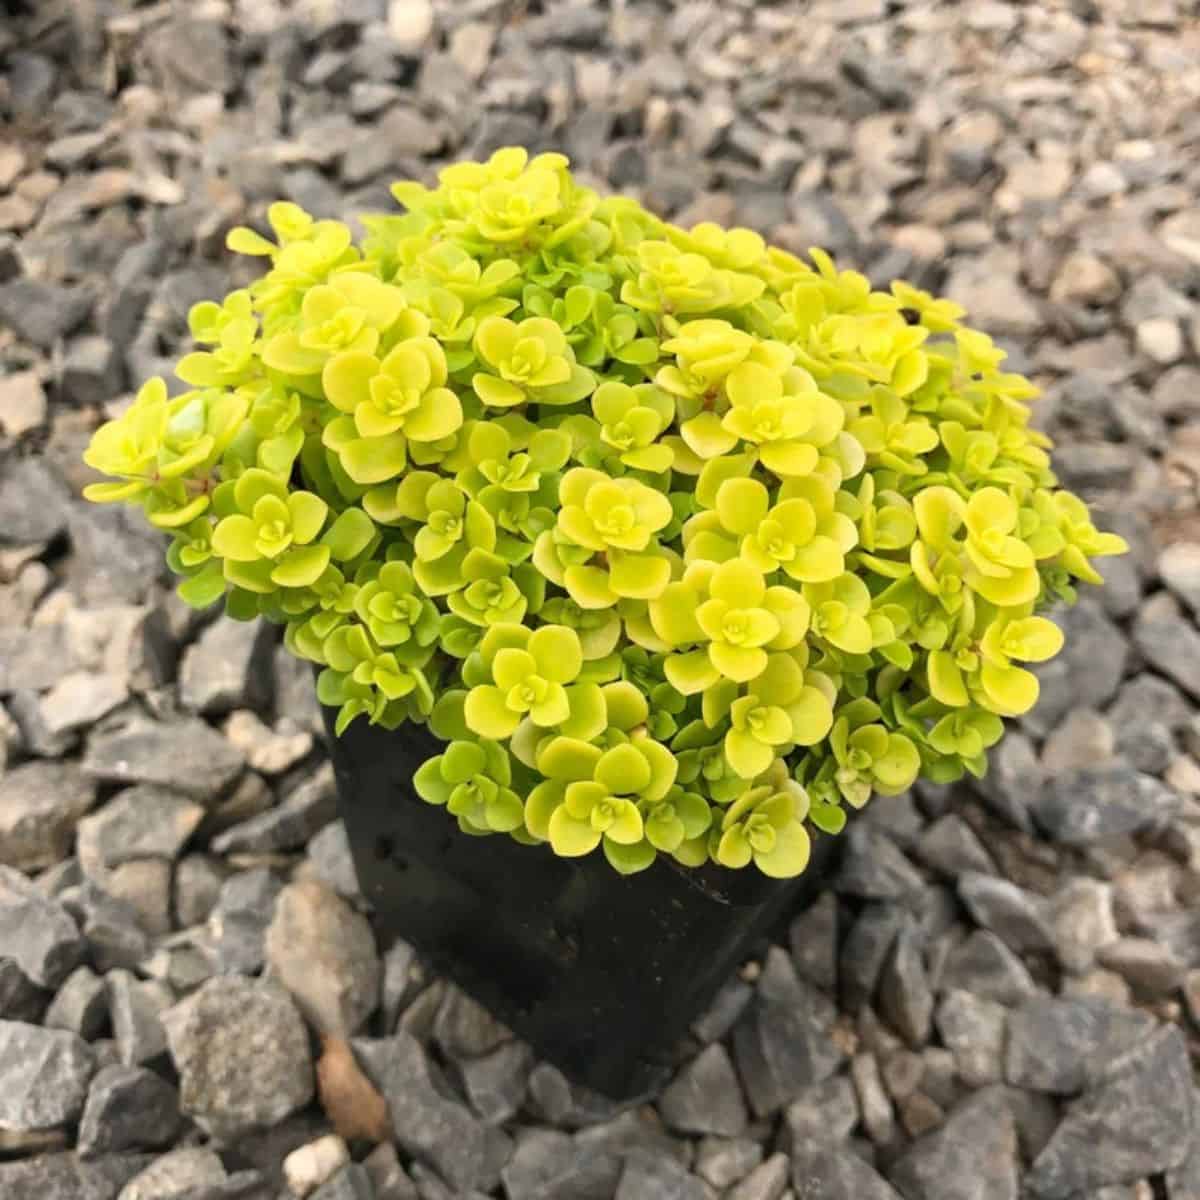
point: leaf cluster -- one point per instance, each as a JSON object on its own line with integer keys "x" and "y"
{"x": 680, "y": 542}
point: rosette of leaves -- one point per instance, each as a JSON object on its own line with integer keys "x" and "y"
{"x": 594, "y": 796}
{"x": 765, "y": 826}
{"x": 473, "y": 780}
{"x": 532, "y": 679}
{"x": 681, "y": 542}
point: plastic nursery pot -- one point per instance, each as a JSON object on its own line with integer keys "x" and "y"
{"x": 600, "y": 973}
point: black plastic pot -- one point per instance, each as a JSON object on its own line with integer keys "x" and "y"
{"x": 600, "y": 973}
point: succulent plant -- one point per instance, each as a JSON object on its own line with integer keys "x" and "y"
{"x": 681, "y": 543}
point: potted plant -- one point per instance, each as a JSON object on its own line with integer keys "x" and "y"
{"x": 637, "y": 554}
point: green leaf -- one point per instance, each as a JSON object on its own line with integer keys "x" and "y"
{"x": 488, "y": 715}
{"x": 628, "y": 860}
{"x": 623, "y": 770}
{"x": 589, "y": 715}
{"x": 349, "y": 535}
{"x": 301, "y": 566}
{"x": 461, "y": 761}
{"x": 790, "y": 854}
{"x": 571, "y": 838}
{"x": 372, "y": 460}
{"x": 203, "y": 589}
{"x": 429, "y": 782}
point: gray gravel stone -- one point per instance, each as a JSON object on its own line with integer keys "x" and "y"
{"x": 198, "y": 880}
{"x": 1059, "y": 1046}
{"x": 136, "y": 1009}
{"x": 1085, "y": 806}
{"x": 1150, "y": 969}
{"x": 308, "y": 809}
{"x": 67, "y": 1177}
{"x": 1146, "y": 714}
{"x": 128, "y": 1108}
{"x": 825, "y": 1111}
{"x": 548, "y": 1165}
{"x": 184, "y": 754}
{"x": 34, "y": 506}
{"x": 238, "y": 922}
{"x": 329, "y": 853}
{"x": 249, "y": 797}
{"x": 352, "y": 1182}
{"x": 878, "y": 1118}
{"x": 1093, "y": 658}
{"x": 147, "y": 821}
{"x": 829, "y": 1173}
{"x": 227, "y": 667}
{"x": 115, "y": 555}
{"x": 973, "y": 1156}
{"x": 905, "y": 997}
{"x": 42, "y": 313}
{"x": 986, "y": 967}
{"x": 324, "y": 954}
{"x": 36, "y": 737}
{"x": 993, "y": 297}
{"x": 1170, "y": 645}
{"x": 111, "y": 926}
{"x": 44, "y": 1075}
{"x": 1013, "y": 782}
{"x": 402, "y": 976}
{"x": 1179, "y": 567}
{"x": 78, "y": 700}
{"x": 427, "y": 1123}
{"x": 632, "y": 1129}
{"x": 1010, "y": 912}
{"x": 704, "y": 1097}
{"x": 782, "y": 1044}
{"x": 952, "y": 847}
{"x": 652, "y": 1177}
{"x": 37, "y": 933}
{"x": 974, "y": 1030}
{"x": 80, "y": 1006}
{"x": 865, "y": 952}
{"x": 496, "y": 1084}
{"x": 40, "y": 806}
{"x": 1082, "y": 920}
{"x": 721, "y": 1162}
{"x": 176, "y": 1175}
{"x": 92, "y": 371}
{"x": 1177, "y": 932}
{"x": 725, "y": 1010}
{"x": 873, "y": 868}
{"x": 1137, "y": 1120}
{"x": 242, "y": 1054}
{"x": 768, "y": 1181}
{"x": 192, "y": 53}
{"x": 144, "y": 883}
{"x": 1083, "y": 739}
{"x": 813, "y": 938}
{"x": 389, "y": 1178}
{"x": 20, "y": 998}
{"x": 463, "y": 1028}
{"x": 1183, "y": 1182}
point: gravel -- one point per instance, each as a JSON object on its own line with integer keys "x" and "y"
{"x": 127, "y": 1108}
{"x": 44, "y": 1074}
{"x": 242, "y": 1054}
{"x": 324, "y": 954}
{"x": 996, "y": 992}
{"x": 36, "y": 932}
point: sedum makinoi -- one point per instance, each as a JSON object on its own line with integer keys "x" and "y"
{"x": 682, "y": 544}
